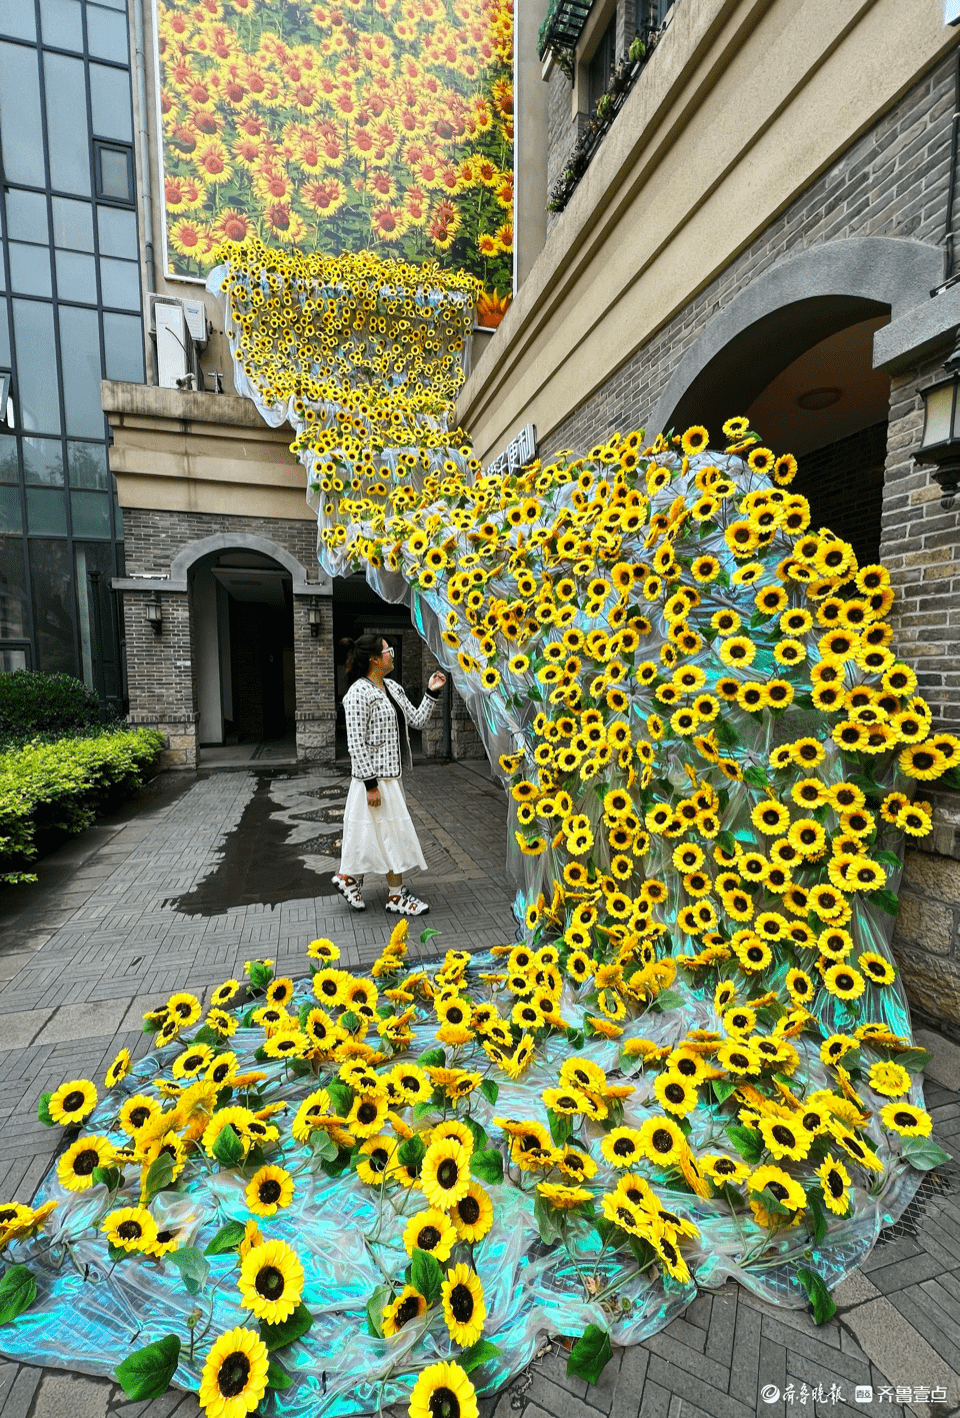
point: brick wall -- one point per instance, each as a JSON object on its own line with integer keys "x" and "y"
{"x": 561, "y": 131}
{"x": 153, "y": 538}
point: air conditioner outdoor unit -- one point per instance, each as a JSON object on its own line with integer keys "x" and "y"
{"x": 195, "y": 313}
{"x": 175, "y": 354}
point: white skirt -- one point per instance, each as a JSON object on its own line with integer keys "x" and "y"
{"x": 379, "y": 839}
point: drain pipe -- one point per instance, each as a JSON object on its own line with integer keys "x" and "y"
{"x": 146, "y": 192}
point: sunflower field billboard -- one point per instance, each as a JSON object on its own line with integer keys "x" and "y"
{"x": 362, "y": 124}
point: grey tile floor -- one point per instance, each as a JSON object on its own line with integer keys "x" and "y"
{"x": 199, "y": 873}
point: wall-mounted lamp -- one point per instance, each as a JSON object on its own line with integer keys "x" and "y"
{"x": 155, "y": 613}
{"x": 940, "y": 445}
{"x": 316, "y": 620}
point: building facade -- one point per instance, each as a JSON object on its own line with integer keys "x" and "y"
{"x": 70, "y": 315}
{"x": 760, "y": 221}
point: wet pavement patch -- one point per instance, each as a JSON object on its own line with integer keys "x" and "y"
{"x": 259, "y": 864}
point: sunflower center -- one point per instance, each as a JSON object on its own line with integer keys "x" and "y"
{"x": 461, "y": 1304}
{"x": 443, "y": 1403}
{"x": 675, "y": 1092}
{"x": 367, "y": 1112}
{"x": 623, "y": 1147}
{"x": 85, "y": 1161}
{"x": 270, "y": 1191}
{"x": 725, "y": 1166}
{"x": 469, "y": 1210}
{"x": 407, "y": 1310}
{"x": 428, "y": 1238}
{"x": 448, "y": 1173}
{"x": 73, "y": 1101}
{"x": 661, "y": 1141}
{"x": 784, "y": 1135}
{"x": 269, "y": 1282}
{"x": 778, "y": 1189}
{"x": 129, "y": 1230}
{"x": 455, "y": 1016}
{"x": 138, "y": 1116}
{"x": 233, "y": 1375}
{"x": 835, "y": 1183}
{"x": 905, "y": 1120}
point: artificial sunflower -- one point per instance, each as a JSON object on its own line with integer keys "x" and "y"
{"x": 408, "y": 1305}
{"x": 445, "y": 1172}
{"x": 118, "y": 1070}
{"x": 72, "y": 1102}
{"x": 463, "y": 1305}
{"x": 430, "y": 1231}
{"x": 472, "y": 1216}
{"x": 132, "y": 1228}
{"x": 271, "y": 1281}
{"x": 234, "y": 1377}
{"x": 442, "y": 1391}
{"x": 76, "y": 1167}
{"x": 269, "y": 1189}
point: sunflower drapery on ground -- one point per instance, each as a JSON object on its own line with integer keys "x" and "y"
{"x": 697, "y": 1064}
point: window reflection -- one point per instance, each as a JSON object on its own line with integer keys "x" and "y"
{"x": 36, "y": 366}
{"x": 73, "y": 224}
{"x": 30, "y": 269}
{"x": 46, "y": 512}
{"x": 87, "y": 464}
{"x": 61, "y": 24}
{"x": 13, "y": 593}
{"x": 76, "y": 277}
{"x": 52, "y": 587}
{"x": 9, "y": 467}
{"x": 43, "y": 462}
{"x": 66, "y": 100}
{"x": 123, "y": 342}
{"x": 80, "y": 346}
{"x": 107, "y": 34}
{"x": 20, "y": 94}
{"x": 120, "y": 284}
{"x": 110, "y": 103}
{"x": 11, "y": 517}
{"x": 26, "y": 215}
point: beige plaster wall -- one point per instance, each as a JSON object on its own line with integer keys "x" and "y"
{"x": 743, "y": 104}
{"x": 193, "y": 452}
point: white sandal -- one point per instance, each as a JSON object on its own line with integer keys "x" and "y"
{"x": 349, "y": 888}
{"x": 404, "y": 903}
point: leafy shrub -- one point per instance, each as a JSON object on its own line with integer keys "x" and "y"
{"x": 36, "y": 703}
{"x": 48, "y": 787}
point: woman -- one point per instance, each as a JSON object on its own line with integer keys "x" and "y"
{"x": 378, "y": 834}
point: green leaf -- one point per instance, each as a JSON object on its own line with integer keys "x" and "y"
{"x": 887, "y": 901}
{"x": 747, "y": 1141}
{"x": 487, "y": 1166}
{"x": 159, "y": 1176}
{"x": 767, "y": 1199}
{"x": 817, "y": 1293}
{"x": 727, "y": 841}
{"x": 349, "y": 1021}
{"x": 322, "y": 1145}
{"x": 479, "y": 1136}
{"x": 722, "y": 1088}
{"x": 227, "y": 1238}
{"x": 477, "y": 1354}
{"x": 575, "y": 1038}
{"x": 193, "y": 1269}
{"x": 109, "y": 1177}
{"x": 412, "y": 1152}
{"x": 547, "y": 1221}
{"x": 490, "y": 1090}
{"x": 590, "y": 1354}
{"x": 43, "y": 1109}
{"x": 817, "y": 1214}
{"x": 277, "y": 1378}
{"x": 147, "y": 1372}
{"x": 18, "y": 1289}
{"x": 913, "y": 1060}
{"x": 426, "y": 935}
{"x": 756, "y": 776}
{"x": 206, "y": 1035}
{"x": 228, "y": 1149}
{"x": 380, "y": 1297}
{"x": 260, "y": 975}
{"x": 668, "y": 999}
{"x": 888, "y": 859}
{"x": 426, "y": 1275}
{"x": 341, "y": 1096}
{"x": 334, "y": 1166}
{"x": 643, "y": 1252}
{"x": 923, "y": 1153}
{"x": 560, "y": 1127}
{"x": 295, "y": 1326}
{"x": 433, "y": 1058}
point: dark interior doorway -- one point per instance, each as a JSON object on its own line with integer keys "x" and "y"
{"x": 261, "y": 663}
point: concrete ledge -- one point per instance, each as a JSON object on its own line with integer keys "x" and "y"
{"x": 180, "y": 405}
{"x": 915, "y": 335}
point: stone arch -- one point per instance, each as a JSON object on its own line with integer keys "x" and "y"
{"x": 242, "y": 541}
{"x": 799, "y": 301}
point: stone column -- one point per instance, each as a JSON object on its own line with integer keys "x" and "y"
{"x": 160, "y": 674}
{"x": 316, "y": 714}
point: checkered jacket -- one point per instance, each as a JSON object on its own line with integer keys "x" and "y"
{"x": 373, "y": 736}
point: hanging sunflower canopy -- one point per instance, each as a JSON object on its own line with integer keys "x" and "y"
{"x": 696, "y": 1064}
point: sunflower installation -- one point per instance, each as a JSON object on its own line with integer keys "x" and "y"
{"x": 362, "y": 1187}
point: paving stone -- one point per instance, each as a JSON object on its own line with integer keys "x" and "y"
{"x": 60, "y": 1395}
{"x": 18, "y": 1031}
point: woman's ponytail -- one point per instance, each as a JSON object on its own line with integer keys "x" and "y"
{"x": 359, "y": 654}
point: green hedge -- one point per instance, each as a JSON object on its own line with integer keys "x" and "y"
{"x": 47, "y": 788}
{"x": 52, "y": 705}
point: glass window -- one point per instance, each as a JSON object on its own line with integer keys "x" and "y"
{"x": 91, "y": 514}
{"x": 62, "y": 24}
{"x": 602, "y": 65}
{"x": 10, "y": 518}
{"x": 43, "y": 462}
{"x": 87, "y": 463}
{"x": 4, "y": 343}
{"x": 17, "y": 19}
{"x": 13, "y": 588}
{"x": 46, "y": 511}
{"x": 110, "y": 103}
{"x": 26, "y": 215}
{"x": 67, "y": 123}
{"x": 36, "y": 366}
{"x": 107, "y": 34}
{"x": 52, "y": 585}
{"x": 9, "y": 465}
{"x": 76, "y": 277}
{"x": 20, "y": 94}
{"x": 73, "y": 224}
{"x": 123, "y": 341}
{"x": 120, "y": 284}
{"x": 30, "y": 269}
{"x": 11, "y": 660}
{"x": 113, "y": 171}
{"x": 118, "y": 233}
{"x": 80, "y": 344}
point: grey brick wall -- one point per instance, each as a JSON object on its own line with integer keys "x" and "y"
{"x": 561, "y": 132}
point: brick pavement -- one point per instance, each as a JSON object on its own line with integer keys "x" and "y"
{"x": 109, "y": 931}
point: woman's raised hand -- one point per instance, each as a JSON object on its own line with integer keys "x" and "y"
{"x": 437, "y": 680}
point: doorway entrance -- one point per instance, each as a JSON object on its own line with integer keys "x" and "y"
{"x": 242, "y": 611}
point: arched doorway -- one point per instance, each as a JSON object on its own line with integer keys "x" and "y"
{"x": 241, "y": 604}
